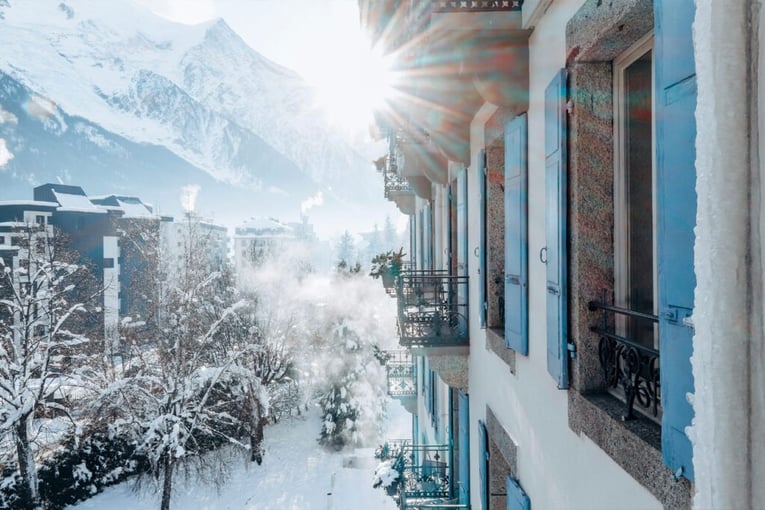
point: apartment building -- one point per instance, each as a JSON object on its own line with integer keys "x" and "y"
{"x": 586, "y": 291}
{"x": 120, "y": 238}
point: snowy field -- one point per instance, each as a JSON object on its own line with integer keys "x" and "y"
{"x": 297, "y": 474}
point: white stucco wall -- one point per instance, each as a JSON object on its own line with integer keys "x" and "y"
{"x": 556, "y": 467}
{"x": 729, "y": 399}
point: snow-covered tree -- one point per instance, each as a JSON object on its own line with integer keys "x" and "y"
{"x": 261, "y": 346}
{"x": 42, "y": 345}
{"x": 331, "y": 324}
{"x": 351, "y": 395}
{"x": 390, "y": 236}
{"x": 182, "y": 397}
{"x": 346, "y": 248}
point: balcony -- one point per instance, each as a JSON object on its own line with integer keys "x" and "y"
{"x": 433, "y": 321}
{"x": 630, "y": 368}
{"x": 401, "y": 374}
{"x": 397, "y": 188}
{"x": 422, "y": 158}
{"x": 432, "y": 309}
{"x": 425, "y": 476}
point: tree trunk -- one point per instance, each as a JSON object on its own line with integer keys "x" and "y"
{"x": 27, "y": 467}
{"x": 167, "y": 485}
{"x": 256, "y": 440}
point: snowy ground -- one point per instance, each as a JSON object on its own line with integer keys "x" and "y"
{"x": 296, "y": 474}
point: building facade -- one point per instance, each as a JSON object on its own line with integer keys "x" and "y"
{"x": 556, "y": 158}
{"x": 129, "y": 250}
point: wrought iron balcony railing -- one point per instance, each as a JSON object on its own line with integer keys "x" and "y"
{"x": 395, "y": 184}
{"x": 426, "y": 478}
{"x": 432, "y": 309}
{"x": 476, "y": 5}
{"x": 626, "y": 364}
{"x": 427, "y": 473}
{"x": 431, "y": 504}
{"x": 401, "y": 374}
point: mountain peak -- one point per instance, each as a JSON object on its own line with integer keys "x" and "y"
{"x": 197, "y": 90}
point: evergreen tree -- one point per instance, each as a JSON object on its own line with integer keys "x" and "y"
{"x": 346, "y": 248}
{"x": 390, "y": 237}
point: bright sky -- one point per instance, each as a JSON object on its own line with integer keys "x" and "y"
{"x": 321, "y": 40}
{"x": 299, "y": 34}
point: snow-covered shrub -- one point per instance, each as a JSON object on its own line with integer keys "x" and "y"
{"x": 386, "y": 474}
{"x": 82, "y": 468}
{"x": 389, "y": 472}
{"x": 74, "y": 472}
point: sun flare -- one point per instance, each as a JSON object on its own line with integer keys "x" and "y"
{"x": 353, "y": 84}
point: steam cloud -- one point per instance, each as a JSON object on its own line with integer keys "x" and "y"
{"x": 309, "y": 202}
{"x": 189, "y": 197}
{"x": 5, "y": 154}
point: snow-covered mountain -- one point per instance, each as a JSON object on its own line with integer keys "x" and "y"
{"x": 107, "y": 90}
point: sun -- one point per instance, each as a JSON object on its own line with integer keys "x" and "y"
{"x": 354, "y": 82}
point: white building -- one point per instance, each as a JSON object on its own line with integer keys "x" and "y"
{"x": 192, "y": 243}
{"x": 583, "y": 181}
{"x": 258, "y": 239}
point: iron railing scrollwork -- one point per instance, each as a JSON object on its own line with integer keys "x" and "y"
{"x": 476, "y": 6}
{"x": 400, "y": 370}
{"x": 625, "y": 363}
{"x": 393, "y": 181}
{"x": 432, "y": 309}
{"x": 425, "y": 479}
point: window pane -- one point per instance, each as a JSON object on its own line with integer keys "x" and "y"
{"x": 639, "y": 194}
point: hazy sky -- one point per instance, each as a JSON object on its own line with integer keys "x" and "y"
{"x": 310, "y": 36}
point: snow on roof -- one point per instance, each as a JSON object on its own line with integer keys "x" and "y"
{"x": 71, "y": 202}
{"x": 34, "y": 203}
{"x": 134, "y": 208}
{"x": 83, "y": 210}
{"x": 258, "y": 227}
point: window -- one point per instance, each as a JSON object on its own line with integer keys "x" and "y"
{"x": 108, "y": 263}
{"x": 2, "y": 239}
{"x": 40, "y": 220}
{"x": 631, "y": 167}
{"x": 634, "y": 196}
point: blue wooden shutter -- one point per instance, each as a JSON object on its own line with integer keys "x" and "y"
{"x": 676, "y": 217}
{"x": 555, "y": 223}
{"x": 413, "y": 239}
{"x": 462, "y": 249}
{"x": 463, "y": 477}
{"x": 517, "y": 499}
{"x": 427, "y": 242}
{"x": 516, "y": 237}
{"x": 482, "y": 178}
{"x": 449, "y": 233}
{"x": 483, "y": 463}
{"x": 420, "y": 242}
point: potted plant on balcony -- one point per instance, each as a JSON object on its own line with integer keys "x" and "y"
{"x": 387, "y": 266}
{"x": 389, "y": 473}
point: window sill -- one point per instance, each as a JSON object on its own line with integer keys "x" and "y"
{"x": 635, "y": 445}
{"x": 495, "y": 342}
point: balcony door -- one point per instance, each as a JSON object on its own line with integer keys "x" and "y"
{"x": 634, "y": 192}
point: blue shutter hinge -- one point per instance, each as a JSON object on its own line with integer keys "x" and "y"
{"x": 571, "y": 350}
